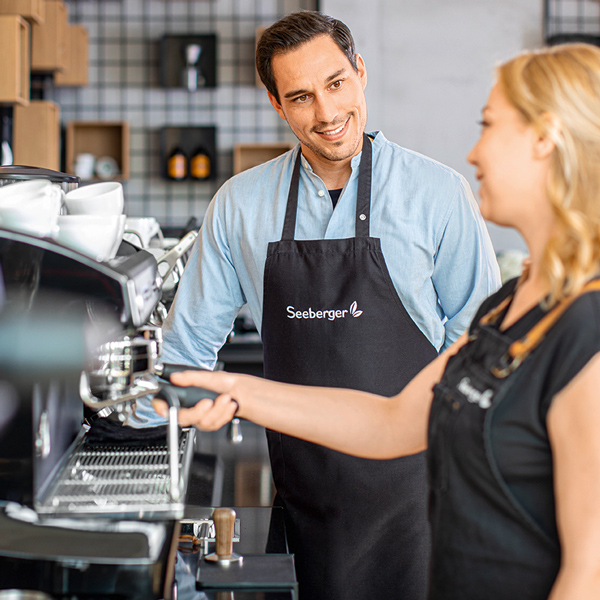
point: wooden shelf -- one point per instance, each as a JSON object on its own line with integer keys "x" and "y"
{"x": 100, "y": 138}
{"x": 32, "y": 10}
{"x": 36, "y": 135}
{"x": 14, "y": 49}
{"x": 246, "y": 156}
{"x": 49, "y": 48}
{"x": 75, "y": 72}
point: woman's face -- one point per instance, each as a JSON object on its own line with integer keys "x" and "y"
{"x": 511, "y": 169}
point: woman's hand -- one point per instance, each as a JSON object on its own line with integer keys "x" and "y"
{"x": 207, "y": 415}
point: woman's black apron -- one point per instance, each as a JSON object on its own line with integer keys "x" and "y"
{"x": 332, "y": 317}
{"x": 486, "y": 546}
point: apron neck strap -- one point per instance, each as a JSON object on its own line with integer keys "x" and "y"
{"x": 523, "y": 347}
{"x": 363, "y": 196}
{"x": 289, "y": 225}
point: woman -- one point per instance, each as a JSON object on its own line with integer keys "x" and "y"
{"x": 509, "y": 414}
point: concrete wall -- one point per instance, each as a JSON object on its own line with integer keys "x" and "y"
{"x": 430, "y": 67}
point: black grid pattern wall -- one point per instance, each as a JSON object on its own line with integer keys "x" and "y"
{"x": 124, "y": 85}
{"x": 571, "y": 20}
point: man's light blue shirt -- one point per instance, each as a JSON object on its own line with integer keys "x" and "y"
{"x": 434, "y": 240}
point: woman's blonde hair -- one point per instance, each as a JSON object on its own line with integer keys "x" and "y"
{"x": 557, "y": 91}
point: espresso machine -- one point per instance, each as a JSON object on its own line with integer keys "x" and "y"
{"x": 91, "y": 508}
{"x": 82, "y": 518}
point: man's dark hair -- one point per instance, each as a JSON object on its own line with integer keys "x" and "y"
{"x": 291, "y": 32}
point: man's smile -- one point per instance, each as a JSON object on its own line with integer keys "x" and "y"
{"x": 334, "y": 134}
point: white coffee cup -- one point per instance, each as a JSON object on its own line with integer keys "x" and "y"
{"x": 31, "y": 207}
{"x": 103, "y": 198}
{"x": 92, "y": 235}
{"x": 118, "y": 237}
{"x": 84, "y": 166}
{"x": 27, "y": 187}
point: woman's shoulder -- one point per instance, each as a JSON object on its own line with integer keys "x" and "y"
{"x": 571, "y": 343}
{"x": 581, "y": 320}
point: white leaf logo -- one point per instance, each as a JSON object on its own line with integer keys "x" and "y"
{"x": 354, "y": 310}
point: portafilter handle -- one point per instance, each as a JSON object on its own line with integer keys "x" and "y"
{"x": 224, "y": 520}
{"x": 188, "y": 396}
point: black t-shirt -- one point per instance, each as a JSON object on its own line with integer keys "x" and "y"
{"x": 335, "y": 195}
{"x": 519, "y": 436}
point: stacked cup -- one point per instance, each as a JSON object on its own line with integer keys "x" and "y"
{"x": 94, "y": 223}
{"x": 31, "y": 207}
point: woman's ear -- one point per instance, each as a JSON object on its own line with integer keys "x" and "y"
{"x": 546, "y": 142}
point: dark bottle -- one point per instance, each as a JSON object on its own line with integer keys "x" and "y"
{"x": 177, "y": 165}
{"x": 200, "y": 166}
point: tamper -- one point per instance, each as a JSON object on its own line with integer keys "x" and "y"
{"x": 224, "y": 520}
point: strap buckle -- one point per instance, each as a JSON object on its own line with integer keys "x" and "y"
{"x": 508, "y": 365}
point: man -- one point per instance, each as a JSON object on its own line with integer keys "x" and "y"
{"x": 358, "y": 260}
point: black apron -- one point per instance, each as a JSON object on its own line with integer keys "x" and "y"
{"x": 486, "y": 545}
{"x": 331, "y": 317}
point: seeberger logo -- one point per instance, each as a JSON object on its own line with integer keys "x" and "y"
{"x": 473, "y": 395}
{"x": 329, "y": 314}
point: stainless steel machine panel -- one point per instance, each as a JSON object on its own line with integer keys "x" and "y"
{"x": 128, "y": 285}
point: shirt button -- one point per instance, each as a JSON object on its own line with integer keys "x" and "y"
{"x": 321, "y": 193}
{"x": 362, "y": 217}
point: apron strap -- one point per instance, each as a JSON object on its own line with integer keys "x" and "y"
{"x": 289, "y": 225}
{"x": 520, "y": 349}
{"x": 363, "y": 196}
{"x": 499, "y": 311}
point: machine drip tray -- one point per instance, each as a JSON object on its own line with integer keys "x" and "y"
{"x": 120, "y": 481}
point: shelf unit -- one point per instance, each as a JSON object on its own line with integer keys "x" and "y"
{"x": 246, "y": 156}
{"x": 100, "y": 138}
{"x": 36, "y": 135}
{"x": 76, "y": 68}
{"x": 49, "y": 48}
{"x": 173, "y": 63}
{"x": 189, "y": 139}
{"x": 14, "y": 49}
{"x": 32, "y": 10}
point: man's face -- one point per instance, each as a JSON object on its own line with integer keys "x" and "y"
{"x": 322, "y": 99}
